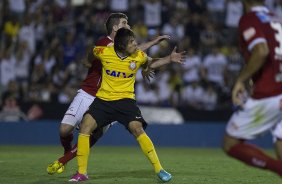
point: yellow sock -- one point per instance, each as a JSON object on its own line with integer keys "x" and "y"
{"x": 149, "y": 150}
{"x": 82, "y": 153}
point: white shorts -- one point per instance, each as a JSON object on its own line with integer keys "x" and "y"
{"x": 257, "y": 117}
{"x": 77, "y": 108}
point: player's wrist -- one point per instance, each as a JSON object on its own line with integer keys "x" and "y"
{"x": 156, "y": 41}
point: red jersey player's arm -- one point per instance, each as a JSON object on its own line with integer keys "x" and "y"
{"x": 253, "y": 65}
{"x": 255, "y": 62}
{"x": 157, "y": 40}
{"x": 88, "y": 61}
{"x": 105, "y": 41}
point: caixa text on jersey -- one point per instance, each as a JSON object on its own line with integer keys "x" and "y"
{"x": 114, "y": 73}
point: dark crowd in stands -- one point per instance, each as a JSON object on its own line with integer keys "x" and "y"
{"x": 43, "y": 42}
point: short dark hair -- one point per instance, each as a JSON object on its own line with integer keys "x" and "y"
{"x": 121, "y": 39}
{"x": 114, "y": 19}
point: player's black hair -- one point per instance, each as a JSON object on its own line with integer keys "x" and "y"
{"x": 114, "y": 19}
{"x": 121, "y": 39}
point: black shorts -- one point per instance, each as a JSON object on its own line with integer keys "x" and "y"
{"x": 124, "y": 111}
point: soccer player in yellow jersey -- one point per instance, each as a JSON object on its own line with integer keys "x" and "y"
{"x": 115, "y": 100}
{"x": 87, "y": 93}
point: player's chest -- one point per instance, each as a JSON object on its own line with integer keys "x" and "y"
{"x": 128, "y": 65}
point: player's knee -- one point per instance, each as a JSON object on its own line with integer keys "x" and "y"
{"x": 229, "y": 142}
{"x": 136, "y": 128}
{"x": 137, "y": 132}
{"x": 88, "y": 124}
{"x": 278, "y": 147}
{"x": 66, "y": 129}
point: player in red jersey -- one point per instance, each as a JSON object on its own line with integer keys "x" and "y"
{"x": 261, "y": 42}
{"x": 86, "y": 95}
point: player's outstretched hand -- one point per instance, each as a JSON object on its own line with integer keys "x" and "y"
{"x": 177, "y": 57}
{"x": 158, "y": 39}
{"x": 238, "y": 94}
{"x": 147, "y": 73}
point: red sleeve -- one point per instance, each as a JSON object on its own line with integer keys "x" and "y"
{"x": 250, "y": 30}
{"x": 105, "y": 41}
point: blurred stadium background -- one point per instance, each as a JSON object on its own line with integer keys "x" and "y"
{"x": 43, "y": 42}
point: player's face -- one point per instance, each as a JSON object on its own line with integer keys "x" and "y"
{"x": 131, "y": 46}
{"x": 123, "y": 24}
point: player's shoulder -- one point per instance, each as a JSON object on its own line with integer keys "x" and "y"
{"x": 104, "y": 41}
{"x": 141, "y": 54}
{"x": 99, "y": 50}
{"x": 247, "y": 18}
{"x": 256, "y": 17}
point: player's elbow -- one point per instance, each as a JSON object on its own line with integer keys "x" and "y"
{"x": 261, "y": 50}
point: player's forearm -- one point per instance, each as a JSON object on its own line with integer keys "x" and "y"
{"x": 87, "y": 62}
{"x": 160, "y": 62}
{"x": 155, "y": 41}
{"x": 147, "y": 45}
{"x": 255, "y": 63}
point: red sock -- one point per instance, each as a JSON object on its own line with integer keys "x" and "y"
{"x": 255, "y": 157}
{"x": 66, "y": 142}
{"x": 72, "y": 153}
{"x": 69, "y": 155}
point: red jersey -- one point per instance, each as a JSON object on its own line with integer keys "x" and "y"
{"x": 92, "y": 82}
{"x": 259, "y": 26}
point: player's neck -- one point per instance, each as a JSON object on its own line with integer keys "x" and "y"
{"x": 250, "y": 7}
{"x": 112, "y": 36}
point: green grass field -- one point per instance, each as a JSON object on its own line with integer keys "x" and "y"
{"x": 128, "y": 165}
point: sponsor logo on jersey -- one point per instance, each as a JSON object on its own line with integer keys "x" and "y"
{"x": 98, "y": 51}
{"x": 114, "y": 73}
{"x": 132, "y": 65}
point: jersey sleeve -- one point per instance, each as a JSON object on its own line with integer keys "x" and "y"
{"x": 143, "y": 57}
{"x": 251, "y": 31}
{"x": 98, "y": 51}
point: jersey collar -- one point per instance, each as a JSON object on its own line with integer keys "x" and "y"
{"x": 110, "y": 38}
{"x": 259, "y": 9}
{"x": 121, "y": 57}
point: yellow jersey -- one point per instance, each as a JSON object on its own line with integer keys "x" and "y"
{"x": 118, "y": 74}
